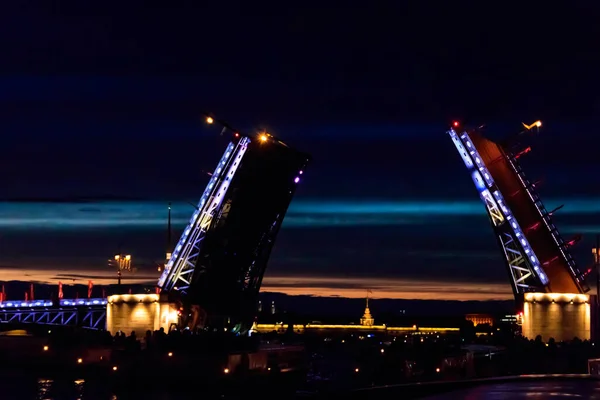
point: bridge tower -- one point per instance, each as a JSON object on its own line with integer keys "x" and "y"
{"x": 538, "y": 261}
{"x": 216, "y": 268}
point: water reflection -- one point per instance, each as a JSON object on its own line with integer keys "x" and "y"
{"x": 95, "y": 389}
{"x": 50, "y": 389}
{"x": 43, "y": 392}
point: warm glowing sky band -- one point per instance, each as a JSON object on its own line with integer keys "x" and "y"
{"x": 297, "y": 266}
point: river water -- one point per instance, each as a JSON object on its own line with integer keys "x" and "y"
{"x": 50, "y": 389}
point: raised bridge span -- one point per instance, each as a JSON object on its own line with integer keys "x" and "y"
{"x": 215, "y": 271}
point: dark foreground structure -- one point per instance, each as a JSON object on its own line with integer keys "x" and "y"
{"x": 216, "y": 269}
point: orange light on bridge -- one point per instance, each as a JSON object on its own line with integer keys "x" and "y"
{"x": 536, "y": 124}
{"x": 263, "y": 138}
{"x": 79, "y": 360}
{"x": 45, "y": 348}
{"x": 209, "y": 120}
{"x": 579, "y": 298}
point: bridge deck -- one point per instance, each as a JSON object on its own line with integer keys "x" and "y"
{"x": 83, "y": 313}
{"x": 50, "y": 303}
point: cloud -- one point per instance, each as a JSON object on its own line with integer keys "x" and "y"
{"x": 399, "y": 249}
{"x": 52, "y": 275}
{"x": 302, "y": 213}
{"x": 388, "y": 288}
{"x": 324, "y": 286}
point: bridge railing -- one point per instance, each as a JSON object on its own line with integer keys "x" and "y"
{"x": 12, "y": 304}
{"x": 81, "y": 317}
{"x": 546, "y": 218}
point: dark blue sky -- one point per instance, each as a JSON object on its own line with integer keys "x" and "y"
{"x": 106, "y": 102}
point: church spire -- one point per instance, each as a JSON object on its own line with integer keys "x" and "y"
{"x": 367, "y": 319}
{"x": 169, "y": 233}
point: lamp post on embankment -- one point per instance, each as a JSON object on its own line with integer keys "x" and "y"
{"x": 121, "y": 262}
{"x": 596, "y": 253}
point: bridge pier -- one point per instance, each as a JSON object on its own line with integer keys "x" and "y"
{"x": 561, "y": 316}
{"x": 139, "y": 313}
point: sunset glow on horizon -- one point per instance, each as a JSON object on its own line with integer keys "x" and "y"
{"x": 73, "y": 242}
{"x": 317, "y": 286}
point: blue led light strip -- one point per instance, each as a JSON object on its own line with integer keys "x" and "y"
{"x": 473, "y": 160}
{"x": 200, "y": 221}
{"x": 207, "y": 191}
{"x": 49, "y": 303}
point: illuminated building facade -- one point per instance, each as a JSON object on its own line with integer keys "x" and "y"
{"x": 480, "y": 319}
{"x": 536, "y": 256}
{"x": 366, "y": 326}
{"x": 561, "y": 316}
{"x": 367, "y": 319}
{"x": 218, "y": 264}
{"x": 138, "y": 313}
{"x": 356, "y": 328}
{"x": 512, "y": 319}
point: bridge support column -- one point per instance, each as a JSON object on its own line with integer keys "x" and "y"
{"x": 561, "y": 316}
{"x": 139, "y": 313}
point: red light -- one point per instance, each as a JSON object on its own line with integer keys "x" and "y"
{"x": 236, "y": 134}
{"x": 455, "y": 124}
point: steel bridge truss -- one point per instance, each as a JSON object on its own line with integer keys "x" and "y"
{"x": 254, "y": 274}
{"x": 91, "y": 318}
{"x": 529, "y": 188}
{"x": 178, "y": 272}
{"x": 520, "y": 272}
{"x": 523, "y": 265}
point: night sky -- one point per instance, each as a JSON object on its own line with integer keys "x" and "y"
{"x": 105, "y": 104}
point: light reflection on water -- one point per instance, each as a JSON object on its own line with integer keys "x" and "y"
{"x": 51, "y": 389}
{"x": 44, "y": 386}
{"x": 48, "y": 389}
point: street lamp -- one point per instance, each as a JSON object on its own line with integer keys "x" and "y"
{"x": 210, "y": 120}
{"x": 122, "y": 262}
{"x": 596, "y": 253}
